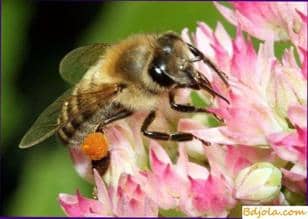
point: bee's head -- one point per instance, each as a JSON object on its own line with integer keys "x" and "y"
{"x": 171, "y": 63}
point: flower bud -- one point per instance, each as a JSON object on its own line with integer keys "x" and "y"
{"x": 259, "y": 183}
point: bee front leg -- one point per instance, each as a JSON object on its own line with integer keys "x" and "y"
{"x": 177, "y": 136}
{"x": 185, "y": 107}
{"x": 119, "y": 115}
{"x": 201, "y": 57}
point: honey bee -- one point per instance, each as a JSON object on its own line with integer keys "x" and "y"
{"x": 111, "y": 82}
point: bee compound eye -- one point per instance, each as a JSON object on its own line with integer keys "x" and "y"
{"x": 158, "y": 74}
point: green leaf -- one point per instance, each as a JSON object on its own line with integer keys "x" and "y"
{"x": 15, "y": 22}
{"x": 294, "y": 198}
{"x": 198, "y": 101}
{"x": 171, "y": 213}
{"x": 121, "y": 19}
{"x": 48, "y": 172}
{"x": 213, "y": 122}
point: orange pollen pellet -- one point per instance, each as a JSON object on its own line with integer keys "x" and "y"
{"x": 95, "y": 146}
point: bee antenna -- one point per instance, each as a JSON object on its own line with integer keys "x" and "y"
{"x": 200, "y": 56}
{"x": 205, "y": 84}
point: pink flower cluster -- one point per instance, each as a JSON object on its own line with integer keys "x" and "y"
{"x": 270, "y": 20}
{"x": 268, "y": 99}
{"x": 137, "y": 192}
{"x": 260, "y": 145}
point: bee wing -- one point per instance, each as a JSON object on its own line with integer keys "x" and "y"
{"x": 76, "y": 63}
{"x": 47, "y": 123}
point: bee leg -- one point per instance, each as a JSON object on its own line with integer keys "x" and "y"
{"x": 200, "y": 56}
{"x": 187, "y": 108}
{"x": 101, "y": 165}
{"x": 184, "y": 107}
{"x": 177, "y": 136}
{"x": 119, "y": 115}
{"x": 221, "y": 74}
{"x": 204, "y": 83}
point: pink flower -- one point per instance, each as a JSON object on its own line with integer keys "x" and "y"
{"x": 297, "y": 115}
{"x": 262, "y": 94}
{"x": 261, "y": 88}
{"x": 186, "y": 185}
{"x": 287, "y": 86}
{"x": 210, "y": 197}
{"x": 167, "y": 186}
{"x": 292, "y": 146}
{"x": 259, "y": 183}
{"x": 126, "y": 155}
{"x": 169, "y": 182}
{"x": 303, "y": 56}
{"x": 130, "y": 198}
{"x": 245, "y": 94}
{"x": 270, "y": 20}
{"x": 225, "y": 160}
{"x": 78, "y": 206}
{"x": 123, "y": 153}
{"x": 295, "y": 179}
{"x": 127, "y": 199}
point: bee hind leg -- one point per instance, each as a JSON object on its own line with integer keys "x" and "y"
{"x": 117, "y": 116}
{"x": 101, "y": 165}
{"x": 177, "y": 136}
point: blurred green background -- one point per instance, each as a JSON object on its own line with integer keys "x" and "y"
{"x": 35, "y": 36}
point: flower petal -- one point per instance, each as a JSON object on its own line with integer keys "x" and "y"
{"x": 227, "y": 13}
{"x": 159, "y": 159}
{"x": 102, "y": 193}
{"x": 210, "y": 197}
{"x": 123, "y": 157}
{"x": 294, "y": 181}
{"x": 78, "y": 206}
{"x": 82, "y": 163}
{"x": 298, "y": 115}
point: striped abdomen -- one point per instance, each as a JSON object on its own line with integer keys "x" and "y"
{"x": 81, "y": 115}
